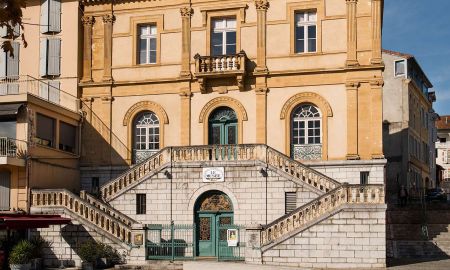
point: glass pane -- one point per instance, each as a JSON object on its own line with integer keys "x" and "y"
{"x": 312, "y": 31}
{"x": 312, "y": 16}
{"x": 142, "y": 51}
{"x": 217, "y": 50}
{"x": 153, "y": 44}
{"x": 205, "y": 229}
{"x": 231, "y": 38}
{"x": 153, "y": 30}
{"x": 231, "y": 23}
{"x": 302, "y": 132}
{"x": 218, "y": 24}
{"x": 152, "y": 56}
{"x": 231, "y": 49}
{"x": 300, "y": 32}
{"x": 302, "y": 124}
{"x": 215, "y": 136}
{"x": 217, "y": 39}
{"x": 143, "y": 30}
{"x": 302, "y": 140}
{"x": 231, "y": 135}
{"x": 311, "y": 45}
{"x": 299, "y": 17}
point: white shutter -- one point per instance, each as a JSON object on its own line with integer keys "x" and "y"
{"x": 43, "y": 90}
{"x": 12, "y": 66}
{"x": 55, "y": 16}
{"x": 53, "y": 91}
{"x": 3, "y": 31}
{"x": 5, "y": 190}
{"x": 2, "y": 64}
{"x": 43, "y": 58}
{"x": 44, "y": 16}
{"x": 54, "y": 55}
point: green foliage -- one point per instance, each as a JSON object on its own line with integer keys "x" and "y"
{"x": 22, "y": 253}
{"x": 108, "y": 252}
{"x": 10, "y": 16}
{"x": 90, "y": 251}
{"x": 39, "y": 244}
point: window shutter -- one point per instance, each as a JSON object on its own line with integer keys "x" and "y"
{"x": 12, "y": 66}
{"x": 43, "y": 58}
{"x": 3, "y": 31}
{"x": 53, "y": 91}
{"x": 43, "y": 90}
{"x": 16, "y": 30}
{"x": 55, "y": 16}
{"x": 54, "y": 54}
{"x": 44, "y": 16}
{"x": 290, "y": 199}
{"x": 2, "y": 64}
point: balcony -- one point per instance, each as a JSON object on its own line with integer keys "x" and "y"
{"x": 222, "y": 66}
{"x": 12, "y": 151}
{"x": 20, "y": 88}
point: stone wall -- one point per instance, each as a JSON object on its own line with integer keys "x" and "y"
{"x": 354, "y": 237}
{"x": 255, "y": 198}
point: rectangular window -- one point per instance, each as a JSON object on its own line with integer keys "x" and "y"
{"x": 141, "y": 204}
{"x": 290, "y": 200}
{"x": 364, "y": 178}
{"x": 95, "y": 185}
{"x": 305, "y": 32}
{"x": 67, "y": 137}
{"x": 50, "y": 57}
{"x": 50, "y": 16}
{"x": 45, "y": 130}
{"x": 400, "y": 68}
{"x": 223, "y": 36}
{"x": 147, "y": 44}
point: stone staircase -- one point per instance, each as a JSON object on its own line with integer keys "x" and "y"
{"x": 318, "y": 210}
{"x": 293, "y": 170}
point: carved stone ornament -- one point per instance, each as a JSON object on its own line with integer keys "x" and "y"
{"x": 186, "y": 12}
{"x": 88, "y": 20}
{"x": 262, "y": 4}
{"x": 109, "y": 18}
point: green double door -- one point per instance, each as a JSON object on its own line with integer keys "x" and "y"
{"x": 209, "y": 233}
{"x": 223, "y": 133}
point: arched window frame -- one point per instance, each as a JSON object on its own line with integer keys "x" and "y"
{"x": 312, "y": 117}
{"x": 146, "y": 135}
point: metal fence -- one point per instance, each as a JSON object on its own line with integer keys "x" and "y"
{"x": 12, "y": 148}
{"x": 170, "y": 241}
{"x": 229, "y": 249}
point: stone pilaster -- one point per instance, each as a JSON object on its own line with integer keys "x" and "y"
{"x": 376, "y": 32}
{"x": 186, "y": 14}
{"x": 352, "y": 58}
{"x": 138, "y": 238}
{"x": 253, "y": 253}
{"x": 261, "y": 115}
{"x": 377, "y": 119}
{"x": 352, "y": 120}
{"x": 185, "y": 131}
{"x": 108, "y": 21}
{"x": 261, "y": 11}
{"x": 88, "y": 22}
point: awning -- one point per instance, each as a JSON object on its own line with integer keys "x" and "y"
{"x": 20, "y": 221}
{"x": 9, "y": 109}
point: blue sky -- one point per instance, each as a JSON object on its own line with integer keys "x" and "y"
{"x": 422, "y": 28}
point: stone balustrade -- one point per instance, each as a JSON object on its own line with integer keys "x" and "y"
{"x": 311, "y": 212}
{"x": 114, "y": 225}
{"x": 218, "y": 153}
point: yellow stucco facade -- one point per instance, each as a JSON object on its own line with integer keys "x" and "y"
{"x": 342, "y": 77}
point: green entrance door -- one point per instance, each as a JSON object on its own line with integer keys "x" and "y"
{"x": 213, "y": 209}
{"x": 223, "y": 126}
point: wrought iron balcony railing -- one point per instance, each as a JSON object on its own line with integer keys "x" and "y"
{"x": 24, "y": 84}
{"x": 12, "y": 148}
{"x": 232, "y": 65}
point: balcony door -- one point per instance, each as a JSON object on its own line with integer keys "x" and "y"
{"x": 223, "y": 126}
{"x": 146, "y": 136}
{"x": 306, "y": 133}
{"x": 5, "y": 189}
{"x": 223, "y": 36}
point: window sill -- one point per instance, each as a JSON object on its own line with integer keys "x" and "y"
{"x": 305, "y": 54}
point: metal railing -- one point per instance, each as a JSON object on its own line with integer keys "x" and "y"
{"x": 25, "y": 84}
{"x": 12, "y": 148}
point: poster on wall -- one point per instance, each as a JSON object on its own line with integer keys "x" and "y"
{"x": 213, "y": 174}
{"x": 232, "y": 237}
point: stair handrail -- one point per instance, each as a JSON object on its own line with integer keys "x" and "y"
{"x": 41, "y": 198}
{"x": 324, "y": 204}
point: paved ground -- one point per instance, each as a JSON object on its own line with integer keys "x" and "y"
{"x": 443, "y": 264}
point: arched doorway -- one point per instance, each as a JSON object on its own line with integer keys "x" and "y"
{"x": 306, "y": 133}
{"x": 145, "y": 136}
{"x": 5, "y": 189}
{"x": 212, "y": 210}
{"x": 223, "y": 126}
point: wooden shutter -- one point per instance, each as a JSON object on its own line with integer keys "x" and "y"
{"x": 290, "y": 199}
{"x": 3, "y": 31}
{"x": 54, "y": 55}
{"x": 55, "y": 16}
{"x": 43, "y": 58}
{"x": 53, "y": 91}
{"x": 16, "y": 30}
{"x": 5, "y": 187}
{"x": 44, "y": 16}
{"x": 12, "y": 65}
{"x": 2, "y": 64}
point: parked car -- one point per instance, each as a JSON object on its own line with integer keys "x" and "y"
{"x": 436, "y": 194}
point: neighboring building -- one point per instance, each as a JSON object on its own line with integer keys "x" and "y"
{"x": 39, "y": 122}
{"x": 443, "y": 150}
{"x": 408, "y": 141}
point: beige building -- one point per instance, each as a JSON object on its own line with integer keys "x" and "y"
{"x": 39, "y": 122}
{"x": 305, "y": 77}
{"x": 408, "y": 115}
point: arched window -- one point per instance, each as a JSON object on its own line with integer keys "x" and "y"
{"x": 306, "y": 133}
{"x": 223, "y": 126}
{"x": 146, "y": 136}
